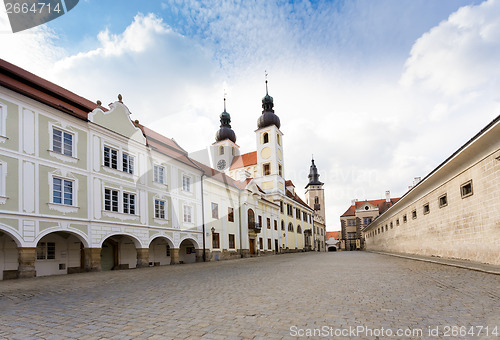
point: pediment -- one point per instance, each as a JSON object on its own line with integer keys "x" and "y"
{"x": 117, "y": 119}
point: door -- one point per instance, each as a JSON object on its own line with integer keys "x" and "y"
{"x": 252, "y": 246}
{"x": 276, "y": 246}
{"x": 109, "y": 258}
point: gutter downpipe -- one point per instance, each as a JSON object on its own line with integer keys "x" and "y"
{"x": 203, "y": 218}
{"x": 239, "y": 216}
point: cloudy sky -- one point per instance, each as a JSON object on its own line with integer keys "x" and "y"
{"x": 379, "y": 91}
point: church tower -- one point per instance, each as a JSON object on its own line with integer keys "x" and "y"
{"x": 270, "y": 163}
{"x": 315, "y": 195}
{"x": 224, "y": 149}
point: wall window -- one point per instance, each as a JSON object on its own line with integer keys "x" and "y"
{"x": 160, "y": 209}
{"x": 111, "y": 200}
{"x": 404, "y": 219}
{"x": 128, "y": 163}
{"x": 466, "y": 189}
{"x": 62, "y": 142}
{"x": 414, "y": 214}
{"x": 426, "y": 208}
{"x": 391, "y": 225}
{"x": 188, "y": 214}
{"x": 281, "y": 207}
{"x": 397, "y": 221}
{"x": 230, "y": 214}
{"x": 282, "y": 225}
{"x": 110, "y": 157}
{"x": 299, "y": 230}
{"x": 62, "y": 191}
{"x": 215, "y": 240}
{"x": 290, "y": 226}
{"x": 443, "y": 201}
{"x": 275, "y": 225}
{"x": 260, "y": 221}
{"x": 215, "y": 210}
{"x": 304, "y": 216}
{"x": 268, "y": 223}
{"x": 367, "y": 220}
{"x": 186, "y": 183}
{"x": 46, "y": 251}
{"x": 266, "y": 169}
{"x": 159, "y": 174}
{"x": 128, "y": 203}
{"x": 297, "y": 213}
{"x": 265, "y": 138}
{"x": 231, "y": 241}
{"x": 280, "y": 170}
{"x": 278, "y": 138}
{"x": 261, "y": 243}
{"x": 269, "y": 244}
{"x": 221, "y": 150}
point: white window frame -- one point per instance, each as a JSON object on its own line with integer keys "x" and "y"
{"x": 120, "y": 214}
{"x": 215, "y": 209}
{"x": 3, "y": 182}
{"x": 110, "y": 160}
{"x": 128, "y": 162}
{"x": 73, "y": 158}
{"x": 189, "y": 187}
{"x": 127, "y": 206}
{"x": 121, "y": 154}
{"x": 187, "y": 214}
{"x": 43, "y": 249}
{"x": 3, "y": 123}
{"x": 165, "y": 209}
{"x": 111, "y": 200}
{"x": 63, "y": 184}
{"x": 61, "y": 207}
{"x": 157, "y": 178}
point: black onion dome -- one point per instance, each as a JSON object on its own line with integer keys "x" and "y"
{"x": 313, "y": 175}
{"x": 268, "y": 116}
{"x": 225, "y": 131}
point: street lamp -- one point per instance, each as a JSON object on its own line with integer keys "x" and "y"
{"x": 213, "y": 230}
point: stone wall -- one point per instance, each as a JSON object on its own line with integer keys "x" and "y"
{"x": 467, "y": 226}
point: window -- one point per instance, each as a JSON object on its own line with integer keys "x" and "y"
{"x": 275, "y": 225}
{"x": 304, "y": 216}
{"x": 352, "y": 235}
{"x": 215, "y": 210}
{"x": 128, "y": 203}
{"x": 159, "y": 174}
{"x": 251, "y": 219}
{"x": 186, "y": 183}
{"x": 299, "y": 230}
{"x": 269, "y": 243}
{"x": 110, "y": 157}
{"x": 231, "y": 241}
{"x": 62, "y": 191}
{"x": 261, "y": 243}
{"x": 397, "y": 221}
{"x": 386, "y": 227}
{"x": 266, "y": 169}
{"x": 188, "y": 211}
{"x": 392, "y": 225}
{"x": 466, "y": 189}
{"x": 281, "y": 207}
{"x": 297, "y": 213}
{"x": 404, "y": 219}
{"x": 443, "y": 201}
{"x": 265, "y": 138}
{"x": 414, "y": 214}
{"x": 215, "y": 240}
{"x": 62, "y": 142}
{"x": 280, "y": 170}
{"x": 282, "y": 225}
{"x": 268, "y": 223}
{"x": 221, "y": 150}
{"x": 160, "y": 209}
{"x": 230, "y": 214}
{"x": 278, "y": 138}
{"x": 426, "y": 208}
{"x": 46, "y": 251}
{"x": 290, "y": 226}
{"x": 367, "y": 220}
{"x": 111, "y": 200}
{"x": 260, "y": 221}
{"x": 128, "y": 163}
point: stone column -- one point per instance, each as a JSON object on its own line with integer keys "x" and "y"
{"x": 142, "y": 257}
{"x": 92, "y": 259}
{"x": 26, "y": 268}
{"x": 174, "y": 255}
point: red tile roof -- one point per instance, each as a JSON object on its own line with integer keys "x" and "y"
{"x": 381, "y": 204}
{"x": 244, "y": 160}
{"x": 334, "y": 234}
{"x": 32, "y": 86}
{"x": 289, "y": 183}
{"x": 296, "y": 198}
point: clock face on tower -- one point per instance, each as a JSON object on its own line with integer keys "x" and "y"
{"x": 221, "y": 164}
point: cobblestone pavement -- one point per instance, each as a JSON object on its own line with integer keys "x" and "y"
{"x": 270, "y": 297}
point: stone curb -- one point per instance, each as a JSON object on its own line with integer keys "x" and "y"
{"x": 475, "y": 267}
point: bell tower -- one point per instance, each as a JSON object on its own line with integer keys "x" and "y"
{"x": 270, "y": 162}
{"x": 315, "y": 195}
{"x": 224, "y": 149}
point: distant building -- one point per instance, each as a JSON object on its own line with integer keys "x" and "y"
{"x": 332, "y": 240}
{"x": 454, "y": 211}
{"x": 315, "y": 198}
{"x": 358, "y": 216}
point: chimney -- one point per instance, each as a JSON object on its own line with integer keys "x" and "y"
{"x": 353, "y": 202}
{"x": 387, "y": 196}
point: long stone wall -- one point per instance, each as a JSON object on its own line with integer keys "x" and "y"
{"x": 466, "y": 226}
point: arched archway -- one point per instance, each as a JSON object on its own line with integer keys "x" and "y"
{"x": 187, "y": 251}
{"x": 121, "y": 252}
{"x": 59, "y": 252}
{"x": 9, "y": 255}
{"x": 160, "y": 251}
{"x": 332, "y": 248}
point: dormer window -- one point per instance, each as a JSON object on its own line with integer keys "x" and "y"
{"x": 367, "y": 207}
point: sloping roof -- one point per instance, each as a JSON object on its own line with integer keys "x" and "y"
{"x": 244, "y": 160}
{"x": 334, "y": 234}
{"x": 296, "y": 198}
{"x": 289, "y": 183}
{"x": 220, "y": 176}
{"x": 39, "y": 89}
{"x": 381, "y": 204}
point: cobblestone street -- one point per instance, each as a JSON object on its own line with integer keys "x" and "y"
{"x": 269, "y": 297}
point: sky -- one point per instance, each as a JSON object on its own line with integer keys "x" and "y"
{"x": 379, "y": 92}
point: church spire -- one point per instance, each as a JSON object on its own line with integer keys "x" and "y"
{"x": 225, "y": 131}
{"x": 268, "y": 116}
{"x": 313, "y": 175}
